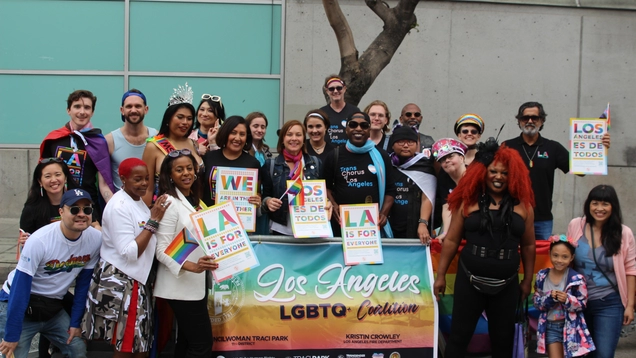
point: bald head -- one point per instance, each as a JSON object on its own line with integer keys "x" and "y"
{"x": 411, "y": 115}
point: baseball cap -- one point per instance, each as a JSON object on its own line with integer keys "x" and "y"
{"x": 73, "y": 196}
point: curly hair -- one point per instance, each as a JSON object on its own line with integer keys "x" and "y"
{"x": 473, "y": 183}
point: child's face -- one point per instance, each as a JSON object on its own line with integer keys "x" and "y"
{"x": 561, "y": 257}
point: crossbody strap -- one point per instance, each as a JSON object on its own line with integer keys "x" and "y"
{"x": 596, "y": 263}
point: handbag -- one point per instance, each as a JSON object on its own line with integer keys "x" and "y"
{"x": 42, "y": 309}
{"x": 520, "y": 347}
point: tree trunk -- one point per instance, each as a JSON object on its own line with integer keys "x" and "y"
{"x": 359, "y": 73}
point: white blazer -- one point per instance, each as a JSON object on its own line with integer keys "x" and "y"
{"x": 173, "y": 282}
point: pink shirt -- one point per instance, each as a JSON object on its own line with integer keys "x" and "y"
{"x": 624, "y": 260}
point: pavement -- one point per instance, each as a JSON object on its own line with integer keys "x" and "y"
{"x": 8, "y": 245}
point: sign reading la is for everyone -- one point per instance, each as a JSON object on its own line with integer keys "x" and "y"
{"x": 222, "y": 236}
{"x": 361, "y": 234}
{"x": 588, "y": 155}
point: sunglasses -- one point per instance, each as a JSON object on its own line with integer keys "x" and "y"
{"x": 471, "y": 131}
{"x": 179, "y": 152}
{"x": 213, "y": 98}
{"x": 409, "y": 114}
{"x": 337, "y": 88}
{"x": 527, "y": 118}
{"x": 51, "y": 160}
{"x": 76, "y": 209}
{"x": 354, "y": 125}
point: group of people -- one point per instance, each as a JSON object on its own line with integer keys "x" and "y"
{"x": 138, "y": 185}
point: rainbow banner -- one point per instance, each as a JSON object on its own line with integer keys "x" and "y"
{"x": 181, "y": 246}
{"x": 303, "y": 301}
{"x": 310, "y": 219}
{"x": 480, "y": 342}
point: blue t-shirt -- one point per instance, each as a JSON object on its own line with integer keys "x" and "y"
{"x": 597, "y": 285}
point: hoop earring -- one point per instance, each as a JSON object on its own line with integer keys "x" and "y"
{"x": 195, "y": 177}
{"x": 41, "y": 191}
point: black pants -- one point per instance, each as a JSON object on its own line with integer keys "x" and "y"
{"x": 468, "y": 304}
{"x": 194, "y": 334}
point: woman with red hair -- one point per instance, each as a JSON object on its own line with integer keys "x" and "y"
{"x": 492, "y": 209}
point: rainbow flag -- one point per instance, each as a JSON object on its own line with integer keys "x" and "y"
{"x": 182, "y": 246}
{"x": 606, "y": 115}
{"x": 480, "y": 343}
{"x": 296, "y": 189}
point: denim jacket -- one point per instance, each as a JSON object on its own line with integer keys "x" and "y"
{"x": 276, "y": 182}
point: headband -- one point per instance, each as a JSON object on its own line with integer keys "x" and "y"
{"x": 569, "y": 240}
{"x": 314, "y": 114}
{"x": 334, "y": 79}
{"x": 129, "y": 94}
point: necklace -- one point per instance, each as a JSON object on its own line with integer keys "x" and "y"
{"x": 319, "y": 149}
{"x": 530, "y": 158}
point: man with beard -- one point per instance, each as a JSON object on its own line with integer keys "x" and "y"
{"x": 542, "y": 157}
{"x": 412, "y": 116}
{"x": 358, "y": 173}
{"x": 130, "y": 140}
{"x": 415, "y": 186}
{"x": 54, "y": 257}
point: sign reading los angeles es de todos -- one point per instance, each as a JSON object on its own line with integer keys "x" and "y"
{"x": 588, "y": 155}
{"x": 304, "y": 301}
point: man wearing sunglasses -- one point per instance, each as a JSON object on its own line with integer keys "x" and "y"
{"x": 542, "y": 157}
{"x": 357, "y": 172}
{"x": 337, "y": 110}
{"x": 129, "y": 141}
{"x": 412, "y": 116}
{"x": 54, "y": 257}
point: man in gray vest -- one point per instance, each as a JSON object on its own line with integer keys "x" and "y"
{"x": 129, "y": 140}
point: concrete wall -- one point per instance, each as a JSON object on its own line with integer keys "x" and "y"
{"x": 488, "y": 59}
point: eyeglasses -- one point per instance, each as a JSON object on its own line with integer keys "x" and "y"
{"x": 213, "y": 98}
{"x": 76, "y": 209}
{"x": 402, "y": 142}
{"x": 337, "y": 88}
{"x": 179, "y": 152}
{"x": 354, "y": 125}
{"x": 51, "y": 160}
{"x": 471, "y": 131}
{"x": 409, "y": 114}
{"x": 527, "y": 118}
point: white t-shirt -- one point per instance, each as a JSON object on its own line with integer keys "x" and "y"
{"x": 55, "y": 261}
{"x": 123, "y": 220}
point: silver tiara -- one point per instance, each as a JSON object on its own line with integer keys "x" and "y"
{"x": 181, "y": 94}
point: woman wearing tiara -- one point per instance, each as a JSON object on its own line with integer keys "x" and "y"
{"x": 177, "y": 123}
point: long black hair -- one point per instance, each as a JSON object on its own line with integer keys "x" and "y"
{"x": 167, "y": 116}
{"x": 165, "y": 178}
{"x": 612, "y": 231}
{"x": 39, "y": 198}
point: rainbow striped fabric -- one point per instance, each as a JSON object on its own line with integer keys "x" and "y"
{"x": 480, "y": 343}
{"x": 296, "y": 189}
{"x": 181, "y": 246}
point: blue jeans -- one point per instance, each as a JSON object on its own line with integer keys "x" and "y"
{"x": 604, "y": 318}
{"x": 543, "y": 229}
{"x": 55, "y": 329}
{"x": 554, "y": 332}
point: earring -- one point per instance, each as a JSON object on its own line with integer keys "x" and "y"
{"x": 41, "y": 191}
{"x": 172, "y": 181}
{"x": 195, "y": 177}
{"x": 65, "y": 186}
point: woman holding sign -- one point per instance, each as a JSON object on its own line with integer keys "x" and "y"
{"x": 492, "y": 209}
{"x": 181, "y": 274}
{"x": 119, "y": 304}
{"x": 292, "y": 164}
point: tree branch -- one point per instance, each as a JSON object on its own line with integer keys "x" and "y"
{"x": 340, "y": 26}
{"x": 380, "y": 8}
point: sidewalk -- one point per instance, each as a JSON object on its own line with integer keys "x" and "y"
{"x": 8, "y": 241}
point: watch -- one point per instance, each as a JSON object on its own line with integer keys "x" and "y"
{"x": 422, "y": 221}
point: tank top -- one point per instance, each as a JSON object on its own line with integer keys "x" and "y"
{"x": 124, "y": 150}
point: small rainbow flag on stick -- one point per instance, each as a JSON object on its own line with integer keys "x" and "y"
{"x": 296, "y": 189}
{"x": 606, "y": 115}
{"x": 182, "y": 246}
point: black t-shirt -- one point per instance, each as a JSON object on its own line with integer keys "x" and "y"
{"x": 445, "y": 186}
{"x": 31, "y": 220}
{"x": 338, "y": 122}
{"x": 547, "y": 156}
{"x": 353, "y": 179}
{"x": 407, "y": 193}
{"x": 322, "y": 156}
{"x": 215, "y": 158}
{"x": 80, "y": 164}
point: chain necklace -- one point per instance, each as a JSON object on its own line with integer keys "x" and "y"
{"x": 530, "y": 159}
{"x": 319, "y": 149}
